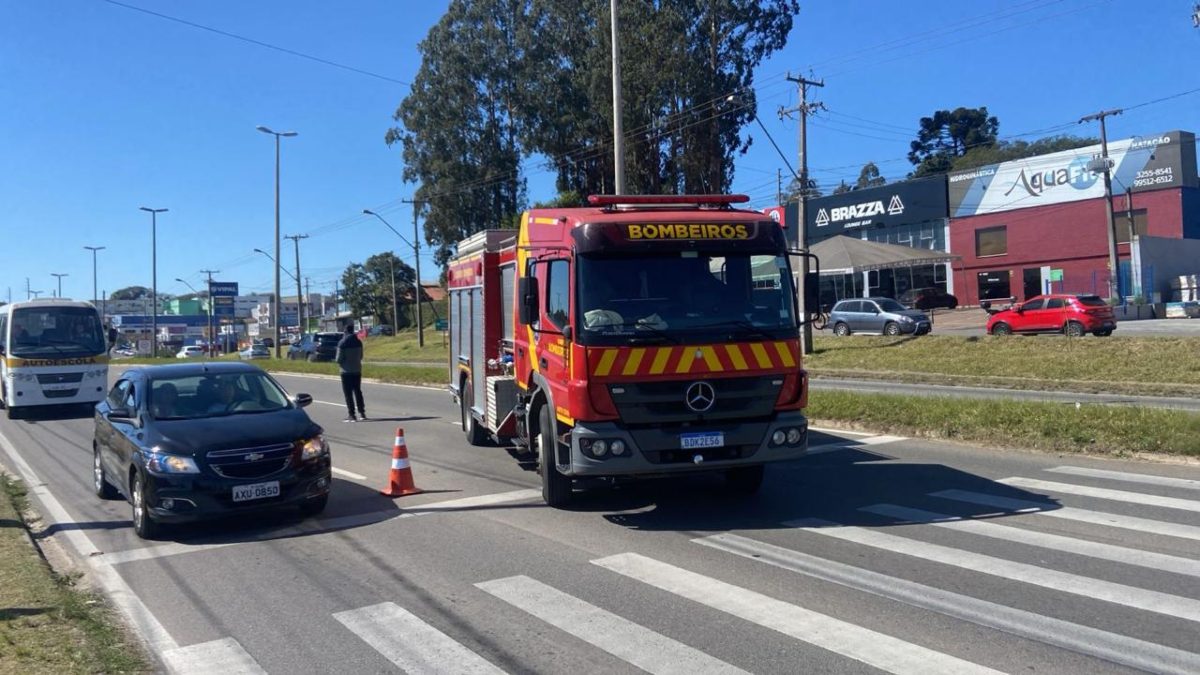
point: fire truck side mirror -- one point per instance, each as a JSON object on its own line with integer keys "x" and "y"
{"x": 527, "y": 291}
{"x": 812, "y": 291}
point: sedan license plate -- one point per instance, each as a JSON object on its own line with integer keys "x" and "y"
{"x": 711, "y": 439}
{"x": 245, "y": 493}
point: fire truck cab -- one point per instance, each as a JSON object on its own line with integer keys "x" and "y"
{"x": 638, "y": 336}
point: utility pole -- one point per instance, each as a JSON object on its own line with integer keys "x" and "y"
{"x": 618, "y": 133}
{"x": 804, "y": 108}
{"x": 779, "y": 186}
{"x": 417, "y": 264}
{"x": 1106, "y": 166}
{"x": 211, "y": 309}
{"x": 299, "y": 301}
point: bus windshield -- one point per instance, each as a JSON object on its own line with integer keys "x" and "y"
{"x": 55, "y": 332}
{"x": 684, "y": 296}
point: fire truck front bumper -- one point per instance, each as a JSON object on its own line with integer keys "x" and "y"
{"x": 610, "y": 449}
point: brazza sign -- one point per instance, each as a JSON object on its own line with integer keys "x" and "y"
{"x": 913, "y": 201}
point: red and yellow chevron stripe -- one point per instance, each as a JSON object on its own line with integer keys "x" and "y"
{"x": 693, "y": 359}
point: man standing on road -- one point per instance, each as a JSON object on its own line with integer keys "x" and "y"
{"x": 349, "y": 359}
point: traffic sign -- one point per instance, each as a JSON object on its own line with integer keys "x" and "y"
{"x": 441, "y": 324}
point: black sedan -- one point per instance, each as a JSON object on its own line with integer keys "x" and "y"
{"x": 203, "y": 440}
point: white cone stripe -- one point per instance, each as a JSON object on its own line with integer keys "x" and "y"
{"x": 1054, "y": 542}
{"x": 1069, "y": 513}
{"x": 401, "y": 463}
{"x": 218, "y": 657}
{"x": 1127, "y": 651}
{"x": 1120, "y": 594}
{"x": 876, "y": 649}
{"x": 1105, "y": 493}
{"x": 634, "y": 644}
{"x": 399, "y": 441}
{"x": 410, "y": 643}
{"x": 1184, "y": 483}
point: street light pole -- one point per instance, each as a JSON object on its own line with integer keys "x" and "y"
{"x": 275, "y": 316}
{"x": 94, "y": 249}
{"x": 153, "y": 277}
{"x": 416, "y": 264}
{"x": 59, "y": 276}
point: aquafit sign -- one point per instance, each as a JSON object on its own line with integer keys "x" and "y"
{"x": 1141, "y": 163}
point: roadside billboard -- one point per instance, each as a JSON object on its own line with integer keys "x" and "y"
{"x": 223, "y": 294}
{"x": 1142, "y": 163}
{"x": 903, "y": 203}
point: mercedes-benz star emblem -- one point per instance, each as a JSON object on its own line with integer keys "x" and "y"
{"x": 700, "y": 396}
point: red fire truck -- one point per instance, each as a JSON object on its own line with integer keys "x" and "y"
{"x": 638, "y": 336}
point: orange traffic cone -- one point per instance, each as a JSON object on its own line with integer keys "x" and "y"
{"x": 401, "y": 478}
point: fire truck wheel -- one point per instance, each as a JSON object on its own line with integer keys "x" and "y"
{"x": 556, "y": 488}
{"x": 744, "y": 480}
{"x": 475, "y": 434}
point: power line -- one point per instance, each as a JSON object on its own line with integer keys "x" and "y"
{"x": 259, "y": 43}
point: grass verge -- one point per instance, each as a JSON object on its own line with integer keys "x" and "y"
{"x": 46, "y": 624}
{"x": 1110, "y": 430}
{"x": 1163, "y": 366}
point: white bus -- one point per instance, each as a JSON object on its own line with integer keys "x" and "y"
{"x": 52, "y": 352}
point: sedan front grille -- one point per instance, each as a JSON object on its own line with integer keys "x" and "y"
{"x": 257, "y": 462}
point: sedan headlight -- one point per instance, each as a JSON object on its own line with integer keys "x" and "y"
{"x": 314, "y": 448}
{"x": 162, "y": 462}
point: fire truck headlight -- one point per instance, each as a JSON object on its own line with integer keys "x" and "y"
{"x": 779, "y": 437}
{"x": 600, "y": 448}
{"x": 794, "y": 436}
{"x": 617, "y": 447}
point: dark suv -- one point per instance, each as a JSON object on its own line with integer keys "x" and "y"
{"x": 315, "y": 347}
{"x": 927, "y": 298}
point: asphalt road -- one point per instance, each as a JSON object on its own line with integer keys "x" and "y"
{"x": 875, "y": 553}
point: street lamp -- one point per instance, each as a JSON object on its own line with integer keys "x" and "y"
{"x": 153, "y": 277}
{"x": 94, "y": 249}
{"x": 59, "y": 276}
{"x": 259, "y": 250}
{"x": 417, "y": 264}
{"x": 275, "y": 314}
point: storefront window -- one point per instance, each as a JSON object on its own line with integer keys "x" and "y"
{"x": 991, "y": 241}
{"x": 994, "y": 285}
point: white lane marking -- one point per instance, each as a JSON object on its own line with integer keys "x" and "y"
{"x": 880, "y": 440}
{"x": 335, "y": 378}
{"x": 1148, "y": 479}
{"x": 624, "y": 639}
{"x": 325, "y": 525}
{"x": 1104, "y": 493}
{"x": 839, "y": 431}
{"x": 410, "y": 643}
{"x": 1071, "y": 513}
{"x": 336, "y": 405}
{"x": 122, "y": 596}
{"x": 219, "y": 657}
{"x": 861, "y": 644}
{"x": 347, "y": 474}
{"x": 1127, "y": 651}
{"x": 1120, "y": 594}
{"x": 1054, "y": 542}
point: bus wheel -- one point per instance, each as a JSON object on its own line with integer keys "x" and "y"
{"x": 556, "y": 488}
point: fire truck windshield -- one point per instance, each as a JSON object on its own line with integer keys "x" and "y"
{"x": 684, "y": 296}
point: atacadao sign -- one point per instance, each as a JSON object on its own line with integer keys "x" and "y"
{"x": 1142, "y": 163}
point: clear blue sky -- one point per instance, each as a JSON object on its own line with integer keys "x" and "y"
{"x": 105, "y": 109}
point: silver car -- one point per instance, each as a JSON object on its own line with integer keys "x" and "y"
{"x": 877, "y": 315}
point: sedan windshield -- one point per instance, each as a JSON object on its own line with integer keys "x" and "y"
{"x": 684, "y": 296}
{"x": 208, "y": 395}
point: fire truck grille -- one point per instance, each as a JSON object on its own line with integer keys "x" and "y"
{"x": 666, "y": 402}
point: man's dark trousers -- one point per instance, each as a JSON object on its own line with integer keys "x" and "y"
{"x": 352, "y": 389}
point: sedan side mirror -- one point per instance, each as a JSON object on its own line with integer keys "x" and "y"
{"x": 303, "y": 400}
{"x": 126, "y": 415}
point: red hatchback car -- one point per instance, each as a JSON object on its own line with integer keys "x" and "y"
{"x": 1072, "y": 315}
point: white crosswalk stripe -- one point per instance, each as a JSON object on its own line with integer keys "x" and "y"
{"x": 1106, "y": 645}
{"x": 1117, "y": 520}
{"x": 862, "y": 644}
{"x": 1121, "y": 554}
{"x": 1166, "y": 481}
{"x": 1104, "y": 493}
{"x": 218, "y": 657}
{"x": 410, "y": 643}
{"x": 637, "y": 645}
{"x": 1138, "y": 598}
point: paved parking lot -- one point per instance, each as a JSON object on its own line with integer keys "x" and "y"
{"x": 972, "y": 321}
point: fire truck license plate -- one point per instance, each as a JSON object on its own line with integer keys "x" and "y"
{"x": 244, "y": 493}
{"x": 711, "y": 439}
